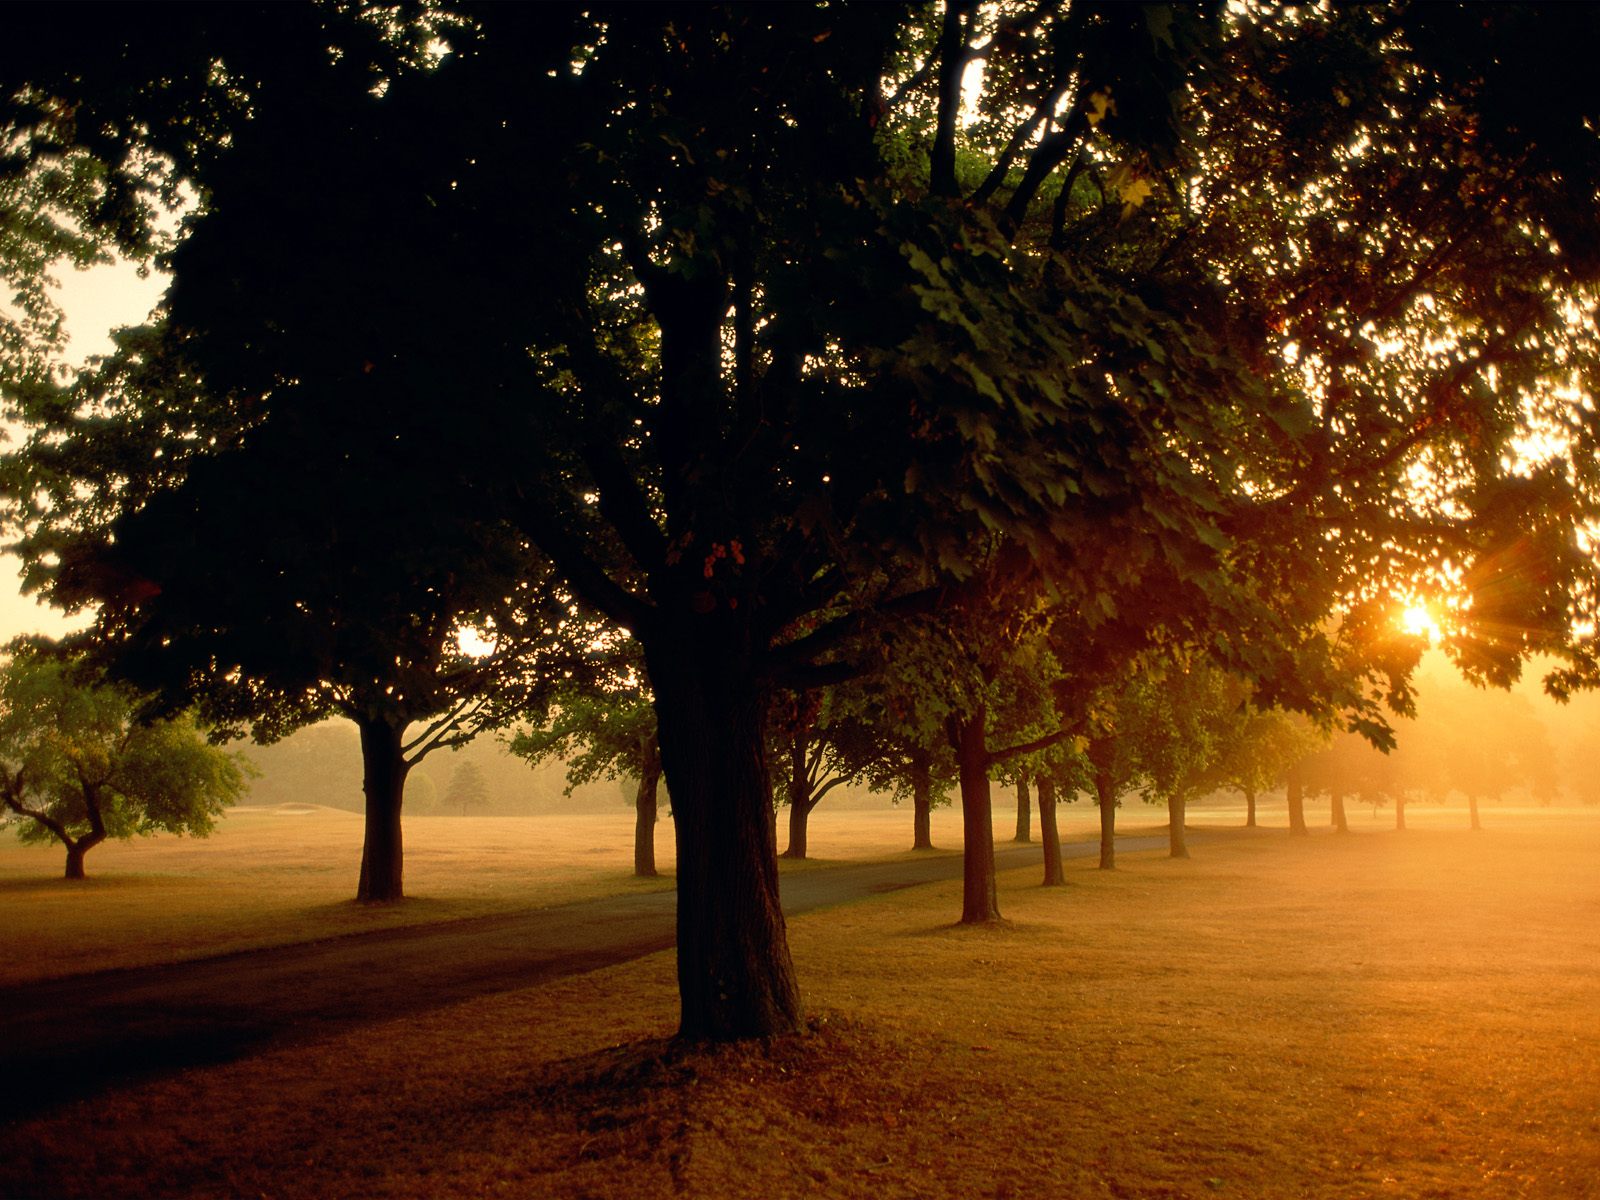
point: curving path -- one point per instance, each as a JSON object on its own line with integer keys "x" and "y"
{"x": 68, "y": 1038}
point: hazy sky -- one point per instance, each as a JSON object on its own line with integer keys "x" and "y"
{"x": 96, "y": 301}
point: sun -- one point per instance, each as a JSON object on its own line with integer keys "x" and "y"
{"x": 1418, "y": 622}
{"x": 473, "y": 643}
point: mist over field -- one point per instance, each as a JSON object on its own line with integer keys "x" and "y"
{"x": 1517, "y": 745}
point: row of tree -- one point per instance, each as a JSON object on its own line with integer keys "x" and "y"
{"x": 954, "y": 365}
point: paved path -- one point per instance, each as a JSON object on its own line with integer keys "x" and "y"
{"x": 67, "y": 1038}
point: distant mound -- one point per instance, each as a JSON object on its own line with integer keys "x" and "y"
{"x": 286, "y": 810}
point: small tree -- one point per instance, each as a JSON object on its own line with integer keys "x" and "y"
{"x": 467, "y": 788}
{"x": 1258, "y": 748}
{"x": 602, "y": 732}
{"x": 76, "y": 766}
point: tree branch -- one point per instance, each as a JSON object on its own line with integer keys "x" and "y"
{"x": 463, "y": 708}
{"x": 588, "y": 579}
{"x": 995, "y": 757}
{"x": 953, "y": 57}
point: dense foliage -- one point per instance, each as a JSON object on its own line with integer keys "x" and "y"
{"x": 77, "y": 768}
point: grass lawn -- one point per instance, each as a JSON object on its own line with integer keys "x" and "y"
{"x": 268, "y": 876}
{"x": 1384, "y": 1014}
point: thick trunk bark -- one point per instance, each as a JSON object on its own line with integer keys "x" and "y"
{"x": 980, "y": 902}
{"x": 1336, "y": 807}
{"x": 1177, "y": 843}
{"x": 1049, "y": 834}
{"x": 921, "y": 804}
{"x": 1472, "y": 807}
{"x": 799, "y": 797}
{"x": 644, "y": 824}
{"x": 383, "y": 780}
{"x": 1106, "y": 797}
{"x": 78, "y": 847}
{"x": 75, "y": 852}
{"x": 799, "y": 816}
{"x": 1297, "y": 802}
{"x": 1249, "y": 808}
{"x": 735, "y": 976}
{"x": 1024, "y": 811}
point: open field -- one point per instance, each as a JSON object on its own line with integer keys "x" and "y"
{"x": 1375, "y": 1015}
{"x": 287, "y": 873}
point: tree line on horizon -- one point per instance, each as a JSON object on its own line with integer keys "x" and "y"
{"x": 989, "y": 382}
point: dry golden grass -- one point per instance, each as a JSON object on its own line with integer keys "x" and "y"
{"x": 269, "y": 876}
{"x": 1375, "y": 1015}
{"x": 288, "y": 874}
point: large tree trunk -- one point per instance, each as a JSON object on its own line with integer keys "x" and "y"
{"x": 799, "y": 796}
{"x": 1249, "y": 808}
{"x": 1048, "y": 832}
{"x": 383, "y": 779}
{"x": 1297, "y": 802}
{"x": 1472, "y": 807}
{"x": 1177, "y": 843}
{"x": 1106, "y": 796}
{"x": 644, "y": 822}
{"x": 980, "y": 901}
{"x": 735, "y": 976}
{"x": 1336, "y": 807}
{"x": 922, "y": 802}
{"x": 1024, "y": 811}
{"x": 75, "y": 852}
{"x": 1399, "y": 811}
{"x": 799, "y": 816}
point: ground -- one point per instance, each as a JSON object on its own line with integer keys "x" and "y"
{"x": 1380, "y": 1014}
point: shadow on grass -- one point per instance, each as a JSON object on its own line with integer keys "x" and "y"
{"x": 42, "y": 1079}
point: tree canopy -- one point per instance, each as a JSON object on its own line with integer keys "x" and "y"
{"x": 76, "y": 767}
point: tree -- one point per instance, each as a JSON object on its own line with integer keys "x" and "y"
{"x": 1257, "y": 750}
{"x": 888, "y": 732}
{"x": 1060, "y": 770}
{"x": 809, "y": 769}
{"x": 466, "y": 789}
{"x": 422, "y": 794}
{"x": 603, "y": 732}
{"x": 1024, "y": 808}
{"x": 1351, "y": 766}
{"x": 77, "y": 767}
{"x": 151, "y": 490}
{"x": 1480, "y": 745}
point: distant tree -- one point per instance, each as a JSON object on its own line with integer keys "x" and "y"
{"x": 887, "y": 730}
{"x": 77, "y": 767}
{"x": 1113, "y": 770}
{"x": 466, "y": 788}
{"x": 807, "y": 767}
{"x": 1350, "y": 765}
{"x": 1024, "y": 808}
{"x": 1477, "y": 743}
{"x": 603, "y": 730}
{"x": 422, "y": 794}
{"x": 1060, "y": 770}
{"x": 1256, "y": 750}
{"x": 1176, "y": 714}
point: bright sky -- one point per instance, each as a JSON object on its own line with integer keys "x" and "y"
{"x": 95, "y": 301}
